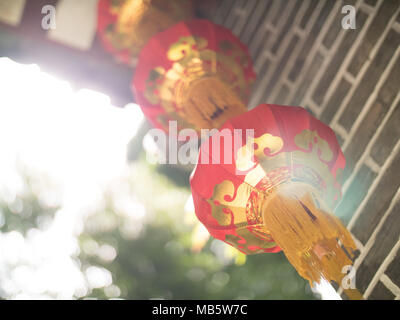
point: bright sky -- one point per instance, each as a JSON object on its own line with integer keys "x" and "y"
{"x": 78, "y": 140}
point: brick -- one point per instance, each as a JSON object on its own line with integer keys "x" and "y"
{"x": 392, "y": 85}
{"x": 223, "y": 11}
{"x": 260, "y": 74}
{"x": 333, "y": 31}
{"x": 371, "y": 3}
{"x": 308, "y": 78}
{"x": 243, "y": 18}
{"x": 278, "y": 71}
{"x": 373, "y": 120}
{"x": 230, "y": 13}
{"x": 384, "y": 242}
{"x": 262, "y": 38}
{"x": 374, "y": 32}
{"x": 335, "y": 26}
{"x": 282, "y": 7}
{"x": 364, "y": 134}
{"x": 258, "y": 48}
{"x": 355, "y": 193}
{"x": 370, "y": 79}
{"x": 282, "y": 95}
{"x": 380, "y": 292}
{"x": 388, "y": 138}
{"x": 356, "y": 254}
{"x": 311, "y": 37}
{"x": 307, "y": 107}
{"x": 286, "y": 27}
{"x": 379, "y": 202}
{"x": 339, "y": 139}
{"x": 250, "y": 8}
{"x": 335, "y": 100}
{"x": 255, "y": 21}
{"x": 232, "y": 18}
{"x": 337, "y": 60}
{"x": 393, "y": 270}
{"x": 311, "y": 7}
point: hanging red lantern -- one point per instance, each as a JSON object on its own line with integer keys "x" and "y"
{"x": 197, "y": 73}
{"x": 280, "y": 196}
{"x": 125, "y": 26}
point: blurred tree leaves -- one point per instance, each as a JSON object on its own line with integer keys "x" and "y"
{"x": 24, "y": 210}
{"x": 158, "y": 262}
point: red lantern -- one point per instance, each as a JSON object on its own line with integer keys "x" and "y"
{"x": 125, "y": 26}
{"x": 196, "y": 72}
{"x": 279, "y": 196}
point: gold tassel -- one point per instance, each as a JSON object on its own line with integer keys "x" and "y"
{"x": 309, "y": 236}
{"x": 208, "y": 102}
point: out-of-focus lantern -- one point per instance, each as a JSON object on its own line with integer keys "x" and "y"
{"x": 276, "y": 191}
{"x": 125, "y": 26}
{"x": 197, "y": 73}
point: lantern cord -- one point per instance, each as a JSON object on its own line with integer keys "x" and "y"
{"x": 314, "y": 241}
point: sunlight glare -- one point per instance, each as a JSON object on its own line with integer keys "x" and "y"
{"x": 78, "y": 140}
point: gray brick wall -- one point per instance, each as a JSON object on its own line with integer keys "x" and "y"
{"x": 350, "y": 79}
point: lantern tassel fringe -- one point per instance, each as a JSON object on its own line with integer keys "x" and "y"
{"x": 310, "y": 237}
{"x": 208, "y": 102}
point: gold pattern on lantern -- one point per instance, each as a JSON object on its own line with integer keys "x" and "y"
{"x": 229, "y": 205}
{"x": 311, "y": 141}
{"x": 307, "y": 166}
{"x": 267, "y": 141}
{"x": 251, "y": 239}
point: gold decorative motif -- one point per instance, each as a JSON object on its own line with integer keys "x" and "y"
{"x": 307, "y": 166}
{"x": 186, "y": 49}
{"x": 266, "y": 142}
{"x": 229, "y": 205}
{"x": 311, "y": 141}
{"x": 251, "y": 240}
